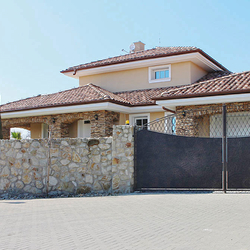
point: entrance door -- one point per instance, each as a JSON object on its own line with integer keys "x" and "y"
{"x": 84, "y": 129}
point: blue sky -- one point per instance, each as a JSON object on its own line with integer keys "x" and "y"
{"x": 38, "y": 38}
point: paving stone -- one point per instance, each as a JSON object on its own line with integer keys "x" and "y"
{"x": 171, "y": 221}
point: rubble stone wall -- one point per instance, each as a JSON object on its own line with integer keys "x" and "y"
{"x": 74, "y": 165}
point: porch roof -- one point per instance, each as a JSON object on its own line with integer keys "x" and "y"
{"x": 89, "y": 93}
{"x": 218, "y": 83}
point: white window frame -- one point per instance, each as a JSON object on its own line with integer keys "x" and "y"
{"x": 151, "y": 73}
{"x": 134, "y": 116}
{"x": 44, "y": 128}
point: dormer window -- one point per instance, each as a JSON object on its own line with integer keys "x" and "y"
{"x": 159, "y": 73}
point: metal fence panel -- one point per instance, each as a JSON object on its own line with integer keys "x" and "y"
{"x": 194, "y": 138}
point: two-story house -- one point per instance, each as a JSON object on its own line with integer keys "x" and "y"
{"x": 135, "y": 87}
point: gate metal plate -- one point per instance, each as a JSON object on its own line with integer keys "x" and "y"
{"x": 169, "y": 161}
{"x": 238, "y": 163}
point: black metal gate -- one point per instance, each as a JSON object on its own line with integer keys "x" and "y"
{"x": 191, "y": 149}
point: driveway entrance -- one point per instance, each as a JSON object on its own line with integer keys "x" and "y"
{"x": 163, "y": 221}
{"x": 204, "y": 149}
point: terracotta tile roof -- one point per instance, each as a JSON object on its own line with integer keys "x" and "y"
{"x": 214, "y": 75}
{"x": 218, "y": 83}
{"x": 141, "y": 97}
{"x": 89, "y": 93}
{"x": 226, "y": 83}
{"x": 142, "y": 55}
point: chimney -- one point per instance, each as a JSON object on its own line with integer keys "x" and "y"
{"x": 137, "y": 46}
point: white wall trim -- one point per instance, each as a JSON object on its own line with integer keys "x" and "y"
{"x": 205, "y": 100}
{"x": 78, "y": 128}
{"x": 154, "y": 108}
{"x": 194, "y": 57}
{"x": 171, "y": 103}
{"x": 81, "y": 108}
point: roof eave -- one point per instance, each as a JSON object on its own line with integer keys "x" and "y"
{"x": 64, "y": 105}
{"x": 146, "y": 58}
{"x": 240, "y": 91}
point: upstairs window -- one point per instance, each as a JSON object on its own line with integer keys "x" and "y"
{"x": 160, "y": 74}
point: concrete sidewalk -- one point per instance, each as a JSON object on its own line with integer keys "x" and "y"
{"x": 141, "y": 221}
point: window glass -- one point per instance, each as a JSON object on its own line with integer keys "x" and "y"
{"x": 138, "y": 122}
{"x": 162, "y": 74}
{"x": 141, "y": 121}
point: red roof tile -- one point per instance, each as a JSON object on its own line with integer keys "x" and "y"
{"x": 228, "y": 84}
{"x": 141, "y": 97}
{"x": 82, "y": 95}
{"x": 218, "y": 83}
{"x": 142, "y": 55}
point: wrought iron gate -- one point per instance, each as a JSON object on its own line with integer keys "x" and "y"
{"x": 195, "y": 149}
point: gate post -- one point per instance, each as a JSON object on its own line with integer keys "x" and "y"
{"x": 135, "y": 157}
{"x": 224, "y": 147}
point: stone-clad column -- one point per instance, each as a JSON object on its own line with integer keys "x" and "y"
{"x": 102, "y": 123}
{"x": 6, "y": 133}
{"x": 110, "y": 118}
{"x": 186, "y": 125}
{"x": 55, "y": 128}
{"x": 123, "y": 159}
{"x": 97, "y": 121}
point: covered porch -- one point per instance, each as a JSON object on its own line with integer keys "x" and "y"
{"x": 69, "y": 125}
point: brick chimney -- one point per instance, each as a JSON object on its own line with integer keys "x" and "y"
{"x": 137, "y": 46}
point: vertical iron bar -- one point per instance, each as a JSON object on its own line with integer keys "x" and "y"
{"x": 224, "y": 147}
{"x": 135, "y": 157}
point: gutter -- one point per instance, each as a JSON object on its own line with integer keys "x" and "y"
{"x": 217, "y": 93}
{"x": 74, "y": 69}
{"x": 203, "y": 100}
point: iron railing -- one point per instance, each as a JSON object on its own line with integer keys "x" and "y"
{"x": 204, "y": 122}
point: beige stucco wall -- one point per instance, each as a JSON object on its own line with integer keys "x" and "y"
{"x": 73, "y": 130}
{"x": 153, "y": 116}
{"x": 36, "y": 130}
{"x": 138, "y": 78}
{"x": 122, "y": 119}
{"x": 196, "y": 72}
{"x": 156, "y": 115}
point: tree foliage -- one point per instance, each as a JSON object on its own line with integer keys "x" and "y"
{"x": 16, "y": 135}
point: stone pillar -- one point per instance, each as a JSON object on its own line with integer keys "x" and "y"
{"x": 110, "y": 118}
{"x": 55, "y": 128}
{"x": 65, "y": 130}
{"x": 186, "y": 125}
{"x": 123, "y": 159}
{"x": 97, "y": 121}
{"x": 6, "y": 133}
{"x": 102, "y": 123}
